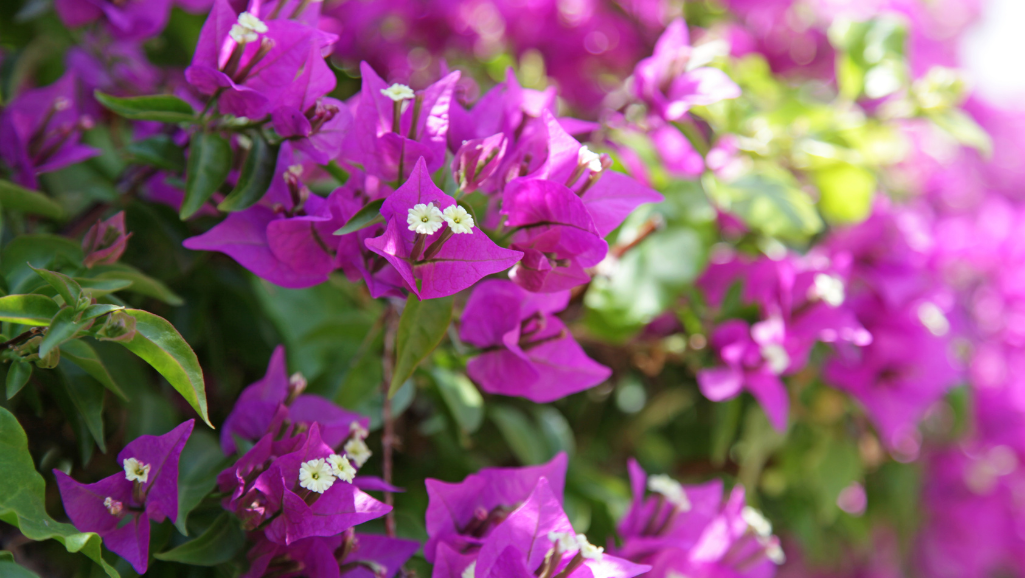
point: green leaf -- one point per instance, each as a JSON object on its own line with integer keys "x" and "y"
{"x": 338, "y": 173}
{"x": 19, "y": 198}
{"x": 30, "y": 309}
{"x": 85, "y": 357}
{"x": 87, "y": 396}
{"x": 520, "y": 433}
{"x": 44, "y": 251}
{"x": 8, "y": 569}
{"x": 365, "y": 217}
{"x": 201, "y": 461}
{"x": 421, "y": 327}
{"x": 846, "y": 192}
{"x": 461, "y": 397}
{"x": 161, "y": 108}
{"x": 769, "y": 203}
{"x": 101, "y": 287}
{"x": 158, "y": 151}
{"x": 17, "y": 376}
{"x": 63, "y": 327}
{"x": 140, "y": 282}
{"x": 65, "y": 286}
{"x": 218, "y": 544}
{"x": 962, "y": 127}
{"x": 208, "y": 167}
{"x": 21, "y": 497}
{"x": 158, "y": 343}
{"x": 255, "y": 178}
{"x": 94, "y": 311}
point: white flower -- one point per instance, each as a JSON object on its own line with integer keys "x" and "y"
{"x": 398, "y": 92}
{"x": 136, "y": 471}
{"x": 776, "y": 357}
{"x": 469, "y": 571}
{"x": 357, "y": 450}
{"x": 341, "y": 468}
{"x": 564, "y": 541}
{"x": 113, "y": 506}
{"x": 247, "y": 29}
{"x": 828, "y": 288}
{"x": 774, "y": 552}
{"x": 61, "y": 103}
{"x": 316, "y": 476}
{"x": 358, "y": 431}
{"x": 425, "y": 219}
{"x": 589, "y": 159}
{"x": 933, "y": 318}
{"x": 588, "y": 550}
{"x": 458, "y": 219}
{"x": 295, "y": 170}
{"x": 671, "y": 489}
{"x": 757, "y": 522}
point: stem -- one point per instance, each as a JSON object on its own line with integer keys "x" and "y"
{"x": 23, "y": 337}
{"x": 388, "y": 439}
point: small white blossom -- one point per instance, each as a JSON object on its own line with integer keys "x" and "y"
{"x": 341, "y": 468}
{"x": 590, "y": 159}
{"x": 828, "y": 288}
{"x": 136, "y": 471}
{"x": 316, "y": 476}
{"x": 671, "y": 489}
{"x": 933, "y": 319}
{"x": 757, "y": 522}
{"x": 61, "y": 103}
{"x": 776, "y": 357}
{"x": 469, "y": 571}
{"x": 588, "y": 550}
{"x": 425, "y": 219}
{"x": 358, "y": 431}
{"x": 774, "y": 552}
{"x": 398, "y": 92}
{"x": 113, "y": 506}
{"x": 564, "y": 541}
{"x": 295, "y": 170}
{"x": 458, "y": 219}
{"x": 247, "y": 29}
{"x": 357, "y": 450}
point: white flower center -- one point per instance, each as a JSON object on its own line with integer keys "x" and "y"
{"x": 316, "y": 476}
{"x": 568, "y": 541}
{"x": 671, "y": 489}
{"x": 756, "y": 521}
{"x": 425, "y": 219}
{"x": 933, "y": 318}
{"x": 358, "y": 431}
{"x": 458, "y": 219}
{"x": 136, "y": 471}
{"x": 61, "y": 103}
{"x": 399, "y": 92}
{"x": 357, "y": 450}
{"x": 247, "y": 29}
{"x": 469, "y": 571}
{"x": 828, "y": 288}
{"x": 776, "y": 358}
{"x": 113, "y": 506}
{"x": 341, "y": 468}
{"x": 592, "y": 160}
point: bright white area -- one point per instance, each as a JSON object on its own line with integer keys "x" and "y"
{"x": 993, "y": 52}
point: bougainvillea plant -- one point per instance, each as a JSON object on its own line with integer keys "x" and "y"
{"x": 507, "y": 289}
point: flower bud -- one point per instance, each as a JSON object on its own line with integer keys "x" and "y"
{"x": 119, "y": 326}
{"x": 105, "y": 242}
{"x": 477, "y": 160}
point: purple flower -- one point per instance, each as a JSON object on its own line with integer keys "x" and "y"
{"x": 754, "y": 358}
{"x": 435, "y": 255}
{"x": 537, "y": 539}
{"x": 259, "y": 403}
{"x": 674, "y": 78}
{"x": 504, "y": 109}
{"x": 288, "y": 238}
{"x": 347, "y": 554}
{"x": 129, "y": 20}
{"x": 688, "y": 530}
{"x": 527, "y": 351}
{"x": 252, "y": 65}
{"x": 394, "y": 126}
{"x": 304, "y": 494}
{"x": 120, "y": 507}
{"x": 40, "y": 130}
{"x": 461, "y": 515}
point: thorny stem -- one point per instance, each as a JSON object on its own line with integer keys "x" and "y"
{"x": 388, "y": 440}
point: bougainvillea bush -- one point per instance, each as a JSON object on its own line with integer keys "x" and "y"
{"x": 507, "y": 289}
